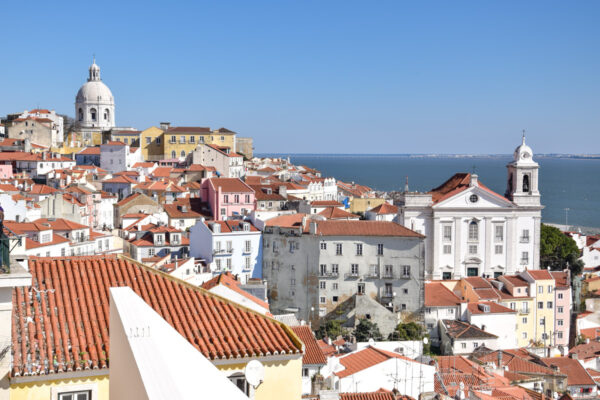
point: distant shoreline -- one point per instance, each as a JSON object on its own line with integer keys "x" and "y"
{"x": 563, "y": 156}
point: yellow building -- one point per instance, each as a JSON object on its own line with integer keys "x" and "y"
{"x": 180, "y": 141}
{"x": 152, "y": 143}
{"x": 129, "y": 137}
{"x": 542, "y": 287}
{"x": 64, "y": 348}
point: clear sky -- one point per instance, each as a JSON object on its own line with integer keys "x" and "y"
{"x": 323, "y": 76}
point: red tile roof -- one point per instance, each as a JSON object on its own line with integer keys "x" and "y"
{"x": 540, "y": 274}
{"x": 286, "y": 221}
{"x": 313, "y": 355}
{"x": 364, "y": 228}
{"x": 115, "y": 143}
{"x": 90, "y": 151}
{"x": 517, "y": 364}
{"x": 120, "y": 179}
{"x": 61, "y": 224}
{"x": 561, "y": 279}
{"x": 336, "y": 213}
{"x": 41, "y": 189}
{"x": 464, "y": 330}
{"x": 56, "y": 239}
{"x": 69, "y": 328}
{"x": 590, "y": 333}
{"x": 576, "y": 373}
{"x": 385, "y": 208}
{"x": 379, "y": 395}
{"x": 366, "y": 358}
{"x": 176, "y": 211}
{"x": 229, "y": 185}
{"x": 326, "y": 203}
{"x": 495, "y": 308}
{"x": 188, "y": 129}
{"x": 128, "y": 199}
{"x": 232, "y": 226}
{"x": 586, "y": 351}
{"x": 438, "y": 295}
{"x": 228, "y": 280}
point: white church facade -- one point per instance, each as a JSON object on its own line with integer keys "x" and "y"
{"x": 473, "y": 231}
{"x": 94, "y": 104}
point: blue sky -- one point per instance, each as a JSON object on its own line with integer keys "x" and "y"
{"x": 323, "y": 76}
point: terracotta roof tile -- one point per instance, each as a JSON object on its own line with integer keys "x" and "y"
{"x": 438, "y": 295}
{"x": 90, "y": 151}
{"x": 364, "y": 228}
{"x": 464, "y": 330}
{"x": 313, "y": 355}
{"x": 576, "y": 373}
{"x": 336, "y": 213}
{"x": 540, "y": 274}
{"x": 229, "y": 185}
{"x": 366, "y": 358}
{"x": 494, "y": 308}
{"x": 70, "y": 324}
{"x": 385, "y": 208}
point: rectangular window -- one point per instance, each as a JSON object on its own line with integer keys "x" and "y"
{"x": 322, "y": 300}
{"x": 475, "y": 345}
{"x": 359, "y": 249}
{"x": 513, "y": 306}
{"x": 472, "y": 249}
{"x": 406, "y": 271}
{"x": 247, "y": 262}
{"x": 388, "y": 290}
{"x": 126, "y": 141}
{"x": 463, "y": 345}
{"x": 380, "y": 249}
{"x": 173, "y": 139}
{"x": 226, "y": 198}
{"x": 524, "y": 335}
{"x": 540, "y": 305}
{"x": 323, "y": 245}
{"x": 560, "y": 335}
{"x": 151, "y": 252}
{"x": 560, "y": 309}
{"x": 447, "y": 233}
{"x": 323, "y": 269}
{"x": 228, "y": 263}
{"x": 525, "y": 236}
{"x": 560, "y": 296}
{"x": 200, "y": 139}
{"x": 62, "y": 251}
{"x": 322, "y": 285}
{"x": 148, "y": 140}
{"x": 293, "y": 282}
{"x": 247, "y": 198}
{"x": 540, "y": 289}
{"x": 354, "y": 269}
{"x": 446, "y": 275}
{"x": 248, "y": 246}
{"x": 498, "y": 249}
{"x": 236, "y": 198}
{"x": 79, "y": 395}
{"x": 361, "y": 288}
{"x": 447, "y": 249}
{"x": 158, "y": 140}
{"x": 549, "y": 304}
{"x": 223, "y": 211}
{"x": 334, "y": 286}
{"x": 549, "y": 288}
{"x": 338, "y": 249}
{"x": 559, "y": 322}
{"x": 335, "y": 269}
{"x": 229, "y": 246}
{"x": 499, "y": 233}
{"x": 334, "y": 299}
{"x": 524, "y": 258}
{"x": 181, "y": 139}
{"x": 524, "y": 320}
{"x": 388, "y": 271}
{"x": 192, "y": 139}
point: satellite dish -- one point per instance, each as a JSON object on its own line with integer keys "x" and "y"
{"x": 255, "y": 373}
{"x": 425, "y": 340}
{"x": 371, "y": 342}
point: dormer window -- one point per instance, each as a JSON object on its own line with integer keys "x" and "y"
{"x": 158, "y": 239}
{"x": 175, "y": 239}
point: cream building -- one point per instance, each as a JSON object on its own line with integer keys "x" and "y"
{"x": 473, "y": 231}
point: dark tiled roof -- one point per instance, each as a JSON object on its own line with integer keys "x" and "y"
{"x": 464, "y": 330}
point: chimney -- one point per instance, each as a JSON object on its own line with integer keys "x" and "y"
{"x": 216, "y": 227}
{"x": 473, "y": 181}
{"x": 499, "y": 358}
{"x": 283, "y": 191}
{"x": 44, "y": 155}
{"x": 573, "y": 356}
{"x": 313, "y": 227}
{"x": 165, "y": 125}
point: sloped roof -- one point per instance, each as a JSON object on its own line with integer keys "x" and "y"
{"x": 364, "y": 228}
{"x": 378, "y": 395}
{"x": 313, "y": 355}
{"x": 366, "y": 358}
{"x": 61, "y": 224}
{"x": 70, "y": 328}
{"x": 495, "y": 308}
{"x": 464, "y": 330}
{"x": 230, "y": 185}
{"x": 336, "y": 213}
{"x": 576, "y": 373}
{"x": 384, "y": 208}
{"x": 228, "y": 280}
{"x": 438, "y": 295}
{"x": 540, "y": 274}
{"x": 286, "y": 221}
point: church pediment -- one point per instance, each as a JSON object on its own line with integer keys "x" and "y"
{"x": 475, "y": 197}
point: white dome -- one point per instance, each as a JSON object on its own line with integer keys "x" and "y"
{"x": 523, "y": 153}
{"x": 95, "y": 92}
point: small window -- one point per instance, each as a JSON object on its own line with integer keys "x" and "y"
{"x": 549, "y": 288}
{"x": 380, "y": 249}
{"x": 540, "y": 305}
{"x": 498, "y": 249}
{"x": 447, "y": 233}
{"x": 322, "y": 285}
{"x": 323, "y": 246}
{"x": 447, "y": 249}
{"x": 354, "y": 269}
{"x": 335, "y": 269}
{"x": 359, "y": 249}
{"x": 334, "y": 286}
{"x": 560, "y": 295}
{"x": 322, "y": 300}
{"x": 524, "y": 320}
{"x": 559, "y": 322}
{"x": 148, "y": 140}
{"x": 79, "y": 395}
{"x": 473, "y": 198}
{"x": 540, "y": 289}
{"x": 499, "y": 233}
{"x": 473, "y": 231}
{"x": 334, "y": 299}
{"x": 192, "y": 139}
{"x": 463, "y": 345}
{"x": 338, "y": 249}
{"x": 549, "y": 305}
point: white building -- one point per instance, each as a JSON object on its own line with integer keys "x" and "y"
{"x": 371, "y": 369}
{"x": 473, "y": 231}
{"x": 232, "y": 245}
{"x": 440, "y": 303}
{"x": 94, "y": 104}
{"x": 227, "y": 163}
{"x": 50, "y": 118}
{"x": 459, "y": 337}
{"x": 117, "y": 156}
{"x": 495, "y": 319}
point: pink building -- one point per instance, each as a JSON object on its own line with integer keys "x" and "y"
{"x": 6, "y": 171}
{"x": 562, "y": 300}
{"x": 227, "y": 197}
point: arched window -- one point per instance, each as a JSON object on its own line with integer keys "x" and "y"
{"x": 93, "y": 114}
{"x": 173, "y": 154}
{"x": 80, "y": 114}
{"x": 473, "y": 230}
{"x": 526, "y": 183}
{"x": 182, "y": 153}
{"x": 106, "y": 114}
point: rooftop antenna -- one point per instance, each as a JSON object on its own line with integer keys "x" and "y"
{"x": 523, "y": 141}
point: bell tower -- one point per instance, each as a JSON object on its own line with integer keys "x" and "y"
{"x": 522, "y": 185}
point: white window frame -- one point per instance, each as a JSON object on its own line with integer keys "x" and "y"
{"x": 55, "y": 391}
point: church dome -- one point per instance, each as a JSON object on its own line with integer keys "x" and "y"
{"x": 95, "y": 92}
{"x": 523, "y": 153}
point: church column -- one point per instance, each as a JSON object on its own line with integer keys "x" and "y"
{"x": 488, "y": 246}
{"x": 537, "y": 227}
{"x": 457, "y": 246}
{"x": 435, "y": 248}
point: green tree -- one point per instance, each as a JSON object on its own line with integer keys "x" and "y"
{"x": 366, "y": 330}
{"x": 408, "y": 331}
{"x": 558, "y": 251}
{"x": 330, "y": 329}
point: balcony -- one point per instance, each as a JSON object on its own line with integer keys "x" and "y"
{"x": 524, "y": 261}
{"x": 524, "y": 311}
{"x": 328, "y": 274}
{"x": 372, "y": 274}
{"x": 387, "y": 295}
{"x": 351, "y": 275}
{"x": 388, "y": 275}
{"x": 524, "y": 239}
